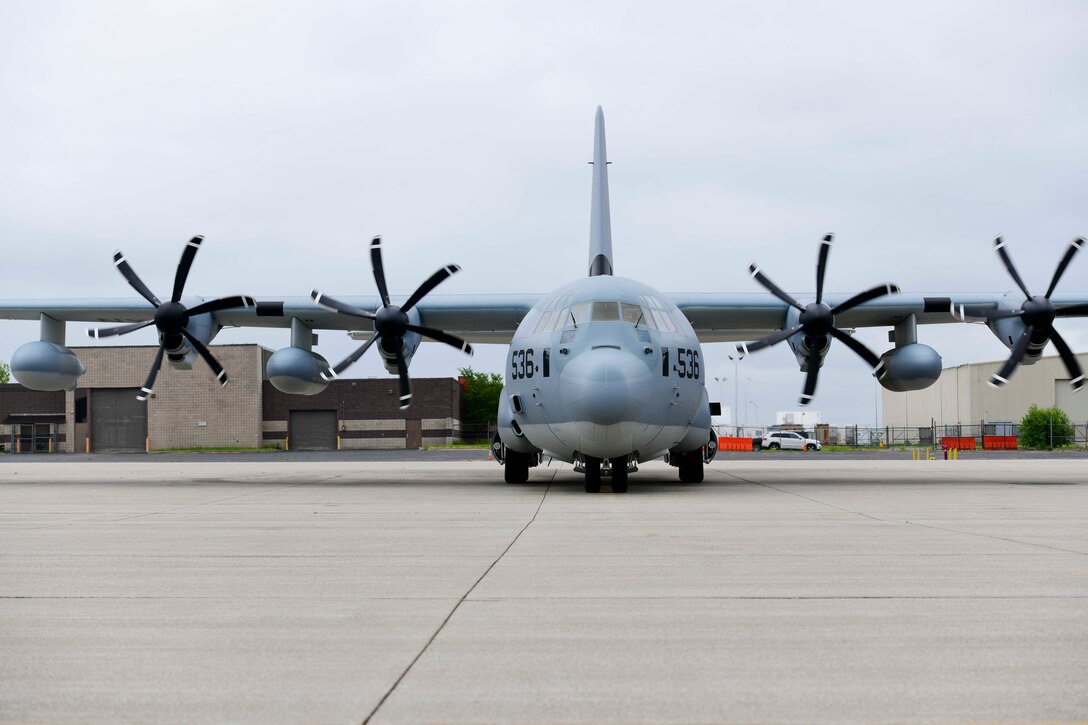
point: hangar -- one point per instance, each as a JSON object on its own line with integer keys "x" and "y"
{"x": 190, "y": 409}
{"x": 961, "y": 396}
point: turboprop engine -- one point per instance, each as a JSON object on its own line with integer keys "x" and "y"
{"x": 42, "y": 365}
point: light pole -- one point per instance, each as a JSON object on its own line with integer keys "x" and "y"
{"x": 747, "y": 387}
{"x": 720, "y": 381}
{"x": 753, "y": 404}
{"x": 736, "y": 396}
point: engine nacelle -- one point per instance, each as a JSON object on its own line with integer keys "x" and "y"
{"x": 800, "y": 342}
{"x": 44, "y": 365}
{"x": 910, "y": 367}
{"x": 297, "y": 371}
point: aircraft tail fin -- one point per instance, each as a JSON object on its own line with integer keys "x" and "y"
{"x": 600, "y": 220}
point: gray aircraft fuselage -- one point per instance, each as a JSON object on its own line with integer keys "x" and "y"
{"x": 604, "y": 367}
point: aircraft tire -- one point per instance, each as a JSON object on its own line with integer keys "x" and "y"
{"x": 691, "y": 467}
{"x": 516, "y": 469}
{"x": 593, "y": 475}
{"x": 619, "y": 475}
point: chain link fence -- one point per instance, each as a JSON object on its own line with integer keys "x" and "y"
{"x": 855, "y": 436}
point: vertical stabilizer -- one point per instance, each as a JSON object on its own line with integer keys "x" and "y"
{"x": 600, "y": 220}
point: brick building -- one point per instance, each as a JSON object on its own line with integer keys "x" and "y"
{"x": 190, "y": 409}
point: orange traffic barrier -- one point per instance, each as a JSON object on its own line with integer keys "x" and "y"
{"x": 958, "y": 443}
{"x": 999, "y": 443}
{"x": 734, "y": 444}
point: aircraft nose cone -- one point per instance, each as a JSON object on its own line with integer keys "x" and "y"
{"x": 602, "y": 386}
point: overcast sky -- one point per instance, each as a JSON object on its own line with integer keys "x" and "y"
{"x": 288, "y": 134}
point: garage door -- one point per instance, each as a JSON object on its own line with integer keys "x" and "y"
{"x": 118, "y": 421}
{"x": 312, "y": 430}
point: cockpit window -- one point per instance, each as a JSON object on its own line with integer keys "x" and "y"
{"x": 578, "y": 314}
{"x": 632, "y": 313}
{"x": 606, "y": 311}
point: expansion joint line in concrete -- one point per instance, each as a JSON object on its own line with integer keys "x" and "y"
{"x": 457, "y": 606}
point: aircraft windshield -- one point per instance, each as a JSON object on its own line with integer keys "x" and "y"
{"x": 559, "y": 314}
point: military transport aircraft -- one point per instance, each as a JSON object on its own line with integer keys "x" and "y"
{"x": 605, "y": 372}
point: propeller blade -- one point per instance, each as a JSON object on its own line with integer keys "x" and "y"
{"x": 1070, "y": 360}
{"x": 862, "y": 297}
{"x": 379, "y": 269}
{"x": 121, "y": 330}
{"x": 405, "y": 384}
{"x": 223, "y": 303}
{"x": 1072, "y": 311}
{"x": 810, "y": 377}
{"x": 862, "y": 351}
{"x": 187, "y": 256}
{"x": 433, "y": 281}
{"x": 439, "y": 336}
{"x": 1002, "y": 376}
{"x": 745, "y": 348}
{"x": 337, "y": 306}
{"x": 773, "y": 288}
{"x": 220, "y": 373}
{"x": 133, "y": 279}
{"x": 148, "y": 389}
{"x": 349, "y": 360}
{"x": 1074, "y": 247}
{"x": 821, "y": 267}
{"x": 999, "y": 247}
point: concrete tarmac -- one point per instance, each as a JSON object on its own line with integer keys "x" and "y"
{"x": 779, "y": 590}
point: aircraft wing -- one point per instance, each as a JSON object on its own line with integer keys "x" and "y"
{"x": 476, "y": 318}
{"x": 493, "y": 318}
{"x": 731, "y": 317}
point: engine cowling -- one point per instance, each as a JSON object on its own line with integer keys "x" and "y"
{"x": 910, "y": 367}
{"x": 297, "y": 371}
{"x": 44, "y": 365}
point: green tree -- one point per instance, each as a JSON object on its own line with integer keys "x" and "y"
{"x": 1045, "y": 428}
{"x": 5, "y": 373}
{"x": 480, "y": 397}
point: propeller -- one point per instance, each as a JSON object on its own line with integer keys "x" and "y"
{"x": 817, "y": 322}
{"x": 172, "y": 318}
{"x": 391, "y": 323}
{"x": 1038, "y": 314}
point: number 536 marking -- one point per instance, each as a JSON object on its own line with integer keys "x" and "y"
{"x": 687, "y": 363}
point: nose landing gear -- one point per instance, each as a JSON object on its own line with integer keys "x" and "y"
{"x": 617, "y": 471}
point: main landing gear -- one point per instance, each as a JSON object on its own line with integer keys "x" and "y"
{"x": 690, "y": 465}
{"x": 516, "y": 466}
